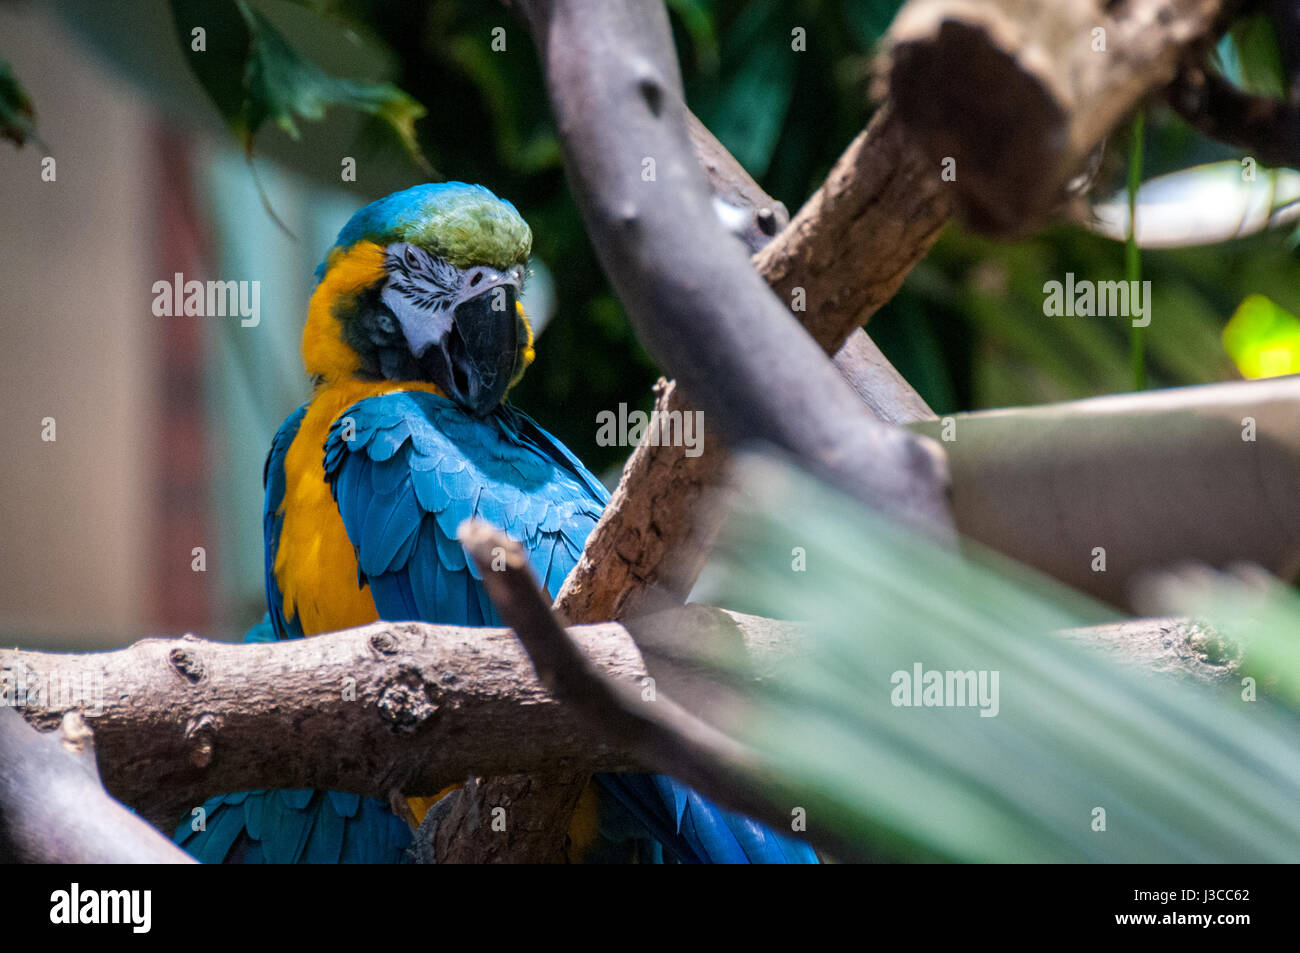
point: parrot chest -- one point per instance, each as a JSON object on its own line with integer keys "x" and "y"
{"x": 315, "y": 561}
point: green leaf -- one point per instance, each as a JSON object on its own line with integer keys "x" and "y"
{"x": 1249, "y": 56}
{"x": 253, "y": 75}
{"x": 1182, "y": 772}
{"x": 697, "y": 19}
{"x": 1263, "y": 338}
{"x": 16, "y": 113}
{"x": 869, "y": 20}
{"x": 750, "y": 108}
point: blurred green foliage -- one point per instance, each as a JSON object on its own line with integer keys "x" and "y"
{"x": 1055, "y": 754}
{"x": 1263, "y": 339}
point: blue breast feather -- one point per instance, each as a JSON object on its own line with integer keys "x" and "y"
{"x": 406, "y": 469}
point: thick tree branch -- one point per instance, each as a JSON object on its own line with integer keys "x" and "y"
{"x": 178, "y": 720}
{"x": 372, "y": 710}
{"x": 1097, "y": 492}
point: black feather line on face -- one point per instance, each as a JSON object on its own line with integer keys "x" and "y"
{"x": 429, "y": 282}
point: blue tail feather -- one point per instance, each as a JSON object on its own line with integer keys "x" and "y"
{"x": 694, "y": 830}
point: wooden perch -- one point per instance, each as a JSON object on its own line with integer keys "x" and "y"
{"x": 1018, "y": 93}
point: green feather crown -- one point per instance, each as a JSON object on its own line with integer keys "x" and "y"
{"x": 463, "y": 224}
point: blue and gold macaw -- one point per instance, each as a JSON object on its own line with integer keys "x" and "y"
{"x": 414, "y": 335}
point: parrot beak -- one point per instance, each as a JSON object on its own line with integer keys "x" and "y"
{"x": 482, "y": 347}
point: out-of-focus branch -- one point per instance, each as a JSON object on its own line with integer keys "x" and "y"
{"x": 53, "y": 809}
{"x": 1168, "y": 647}
{"x": 873, "y": 379}
{"x": 740, "y": 203}
{"x": 1269, "y": 129}
{"x": 655, "y": 529}
{"x": 845, "y": 254}
{"x": 1097, "y": 492}
{"x": 1014, "y": 95}
{"x": 658, "y": 731}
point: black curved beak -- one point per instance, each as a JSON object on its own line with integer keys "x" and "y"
{"x": 482, "y": 348}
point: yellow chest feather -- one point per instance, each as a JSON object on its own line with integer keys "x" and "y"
{"x": 315, "y": 564}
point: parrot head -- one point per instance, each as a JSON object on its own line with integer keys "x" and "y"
{"x": 423, "y": 286}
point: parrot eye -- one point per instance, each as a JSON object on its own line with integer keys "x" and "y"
{"x": 478, "y": 276}
{"x": 409, "y": 254}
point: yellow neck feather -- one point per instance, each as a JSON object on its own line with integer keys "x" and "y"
{"x": 348, "y": 272}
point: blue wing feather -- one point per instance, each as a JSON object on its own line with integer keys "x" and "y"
{"x": 273, "y": 521}
{"x": 254, "y": 812}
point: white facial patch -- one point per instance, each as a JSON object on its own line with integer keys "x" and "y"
{"x": 421, "y": 291}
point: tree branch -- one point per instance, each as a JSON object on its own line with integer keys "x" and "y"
{"x": 178, "y": 720}
{"x": 614, "y": 86}
{"x": 1154, "y": 479}
{"x": 1268, "y": 128}
{"x": 694, "y": 298}
{"x": 53, "y": 808}
{"x": 654, "y": 727}
{"x": 849, "y": 248}
{"x": 371, "y": 710}
{"x": 879, "y": 211}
